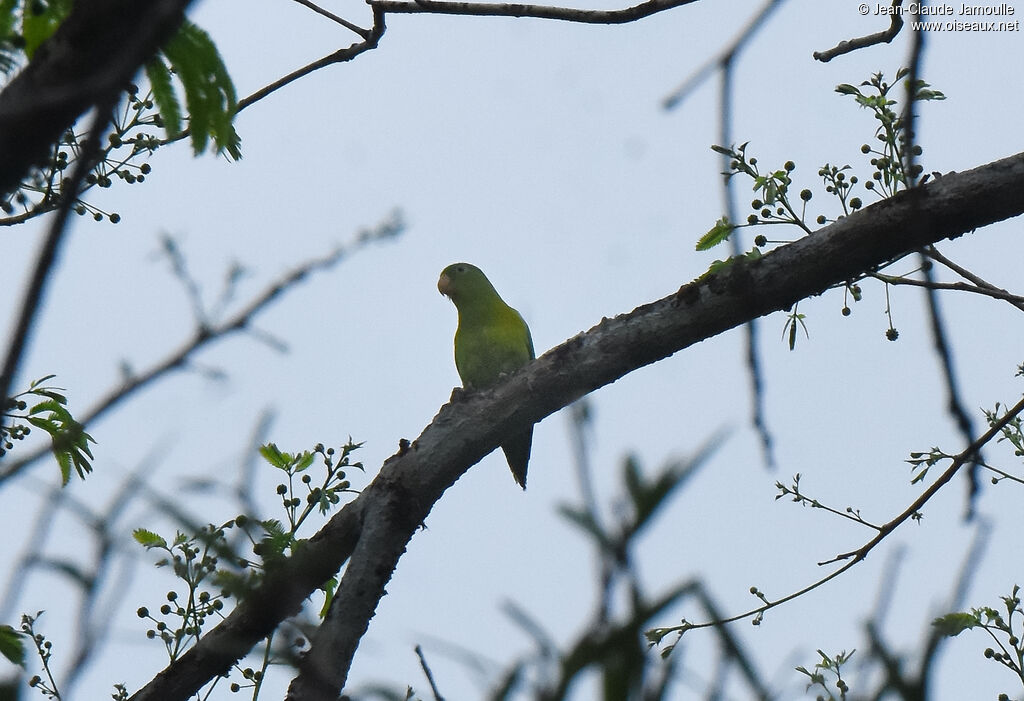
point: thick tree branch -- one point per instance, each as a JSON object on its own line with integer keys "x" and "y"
{"x": 375, "y": 527}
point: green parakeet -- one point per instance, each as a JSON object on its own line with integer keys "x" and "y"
{"x": 492, "y": 340}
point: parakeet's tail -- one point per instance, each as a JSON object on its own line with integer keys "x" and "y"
{"x": 517, "y": 452}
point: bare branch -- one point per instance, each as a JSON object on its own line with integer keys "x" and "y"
{"x": 856, "y": 556}
{"x": 884, "y": 37}
{"x": 722, "y": 61}
{"x": 207, "y": 334}
{"x": 566, "y": 14}
{"x": 992, "y": 290}
{"x": 340, "y": 56}
{"x": 1015, "y": 300}
{"x": 968, "y": 456}
{"x": 364, "y": 33}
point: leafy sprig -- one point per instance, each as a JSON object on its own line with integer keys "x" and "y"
{"x": 50, "y": 413}
{"x": 212, "y": 569}
{"x": 1006, "y": 631}
{"x": 894, "y": 162}
{"x": 194, "y": 560}
{"x": 894, "y": 168}
{"x": 44, "y": 649}
{"x": 189, "y": 64}
{"x": 824, "y": 670}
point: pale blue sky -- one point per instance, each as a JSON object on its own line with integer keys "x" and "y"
{"x": 538, "y": 150}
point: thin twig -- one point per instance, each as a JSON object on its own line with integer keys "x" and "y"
{"x": 1016, "y": 300}
{"x": 883, "y": 37}
{"x": 372, "y": 38}
{"x": 954, "y": 402}
{"x": 364, "y": 33}
{"x": 722, "y": 60}
{"x": 340, "y": 56}
{"x": 993, "y": 291}
{"x": 566, "y": 14}
{"x": 965, "y": 457}
{"x": 429, "y": 674}
{"x": 855, "y": 556}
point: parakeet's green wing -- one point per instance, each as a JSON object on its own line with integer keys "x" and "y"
{"x": 492, "y": 340}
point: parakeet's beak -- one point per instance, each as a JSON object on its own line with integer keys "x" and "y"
{"x": 443, "y": 285}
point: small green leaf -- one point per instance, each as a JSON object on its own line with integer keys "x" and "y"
{"x": 164, "y": 96}
{"x": 40, "y": 20}
{"x": 40, "y": 381}
{"x": 953, "y": 624}
{"x": 209, "y": 93}
{"x": 12, "y": 646}
{"x": 584, "y": 521}
{"x": 64, "y": 463}
{"x": 48, "y": 405}
{"x": 274, "y": 456}
{"x": 148, "y": 538}
{"x": 304, "y": 461}
{"x": 329, "y": 589}
{"x": 717, "y": 234}
{"x": 634, "y": 482}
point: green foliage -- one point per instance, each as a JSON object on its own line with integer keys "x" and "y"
{"x": 892, "y": 162}
{"x": 194, "y": 560}
{"x": 212, "y": 569}
{"x": 189, "y": 63}
{"x": 39, "y": 20}
{"x": 193, "y": 58}
{"x": 1011, "y": 432}
{"x": 717, "y": 234}
{"x": 793, "y": 319}
{"x": 321, "y": 497}
{"x": 122, "y": 158}
{"x": 70, "y": 441}
{"x": 824, "y": 670}
{"x": 718, "y": 266}
{"x": 11, "y": 43}
{"x": 12, "y": 646}
{"x": 1006, "y": 631}
{"x": 921, "y": 462}
{"x": 43, "y": 648}
{"x": 774, "y": 202}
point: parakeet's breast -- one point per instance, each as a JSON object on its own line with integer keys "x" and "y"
{"x": 486, "y": 351}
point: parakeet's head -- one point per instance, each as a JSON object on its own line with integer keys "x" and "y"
{"x": 463, "y": 281}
